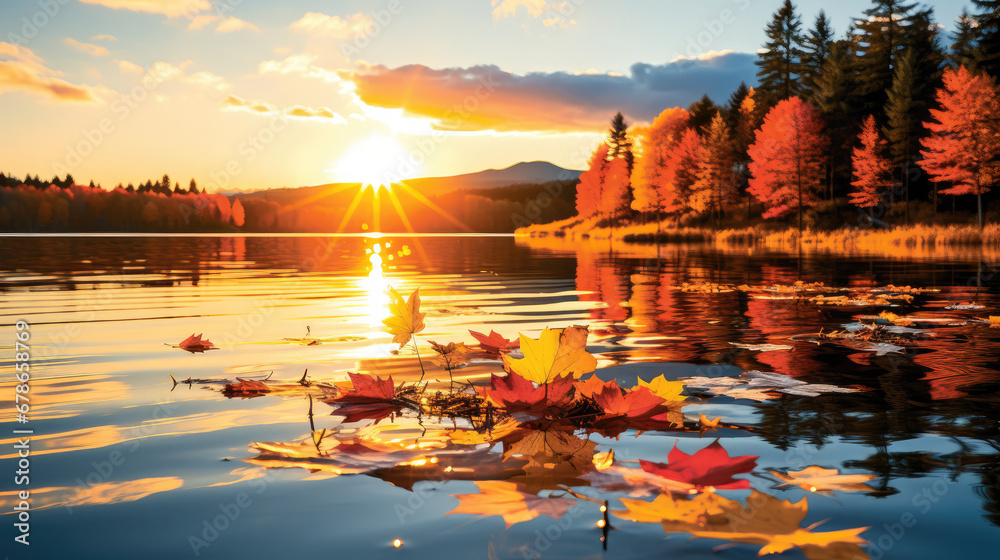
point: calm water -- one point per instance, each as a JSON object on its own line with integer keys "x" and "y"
{"x": 125, "y": 464}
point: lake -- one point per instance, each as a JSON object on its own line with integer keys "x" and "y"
{"x": 124, "y": 462}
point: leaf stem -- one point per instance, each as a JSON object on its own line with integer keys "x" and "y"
{"x": 419, "y": 361}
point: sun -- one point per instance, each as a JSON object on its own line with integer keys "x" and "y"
{"x": 376, "y": 162}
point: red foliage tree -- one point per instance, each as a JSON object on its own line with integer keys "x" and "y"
{"x": 239, "y": 216}
{"x": 964, "y": 135}
{"x": 590, "y": 191}
{"x": 614, "y": 196}
{"x": 786, "y": 159}
{"x": 871, "y": 168}
{"x": 652, "y": 178}
{"x": 685, "y": 163}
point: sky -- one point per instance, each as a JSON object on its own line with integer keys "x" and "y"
{"x": 249, "y": 94}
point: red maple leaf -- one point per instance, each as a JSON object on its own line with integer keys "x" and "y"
{"x": 517, "y": 394}
{"x": 494, "y": 344}
{"x": 246, "y": 388}
{"x": 368, "y": 388}
{"x": 711, "y": 466}
{"x": 590, "y": 388}
{"x": 634, "y": 403}
{"x": 195, "y": 343}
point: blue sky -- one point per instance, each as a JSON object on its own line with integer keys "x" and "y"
{"x": 256, "y": 93}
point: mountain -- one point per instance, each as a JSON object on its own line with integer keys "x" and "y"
{"x": 525, "y": 172}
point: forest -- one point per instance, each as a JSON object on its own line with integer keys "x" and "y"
{"x": 893, "y": 122}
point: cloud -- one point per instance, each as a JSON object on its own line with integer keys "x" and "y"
{"x": 93, "y": 50}
{"x": 555, "y": 15}
{"x": 169, "y": 8}
{"x": 199, "y": 21}
{"x": 299, "y": 112}
{"x": 298, "y": 64}
{"x": 22, "y": 70}
{"x": 235, "y": 24}
{"x": 104, "y": 37}
{"x": 488, "y": 98}
{"x": 166, "y": 72}
{"x": 315, "y": 23}
{"x": 127, "y": 67}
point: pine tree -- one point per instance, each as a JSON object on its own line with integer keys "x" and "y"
{"x": 621, "y": 147}
{"x": 818, "y": 42}
{"x": 717, "y": 166}
{"x": 964, "y": 139}
{"x": 964, "y": 50}
{"x": 880, "y": 38}
{"x": 988, "y": 17}
{"x": 835, "y": 96}
{"x": 904, "y": 115}
{"x": 780, "y": 60}
{"x": 702, "y": 112}
{"x": 193, "y": 187}
{"x": 871, "y": 168}
{"x": 685, "y": 162}
{"x": 786, "y": 159}
{"x": 732, "y": 109}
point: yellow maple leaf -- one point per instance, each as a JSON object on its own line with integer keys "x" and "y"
{"x": 666, "y": 390}
{"x": 556, "y": 353}
{"x": 825, "y": 481}
{"x": 406, "y": 319}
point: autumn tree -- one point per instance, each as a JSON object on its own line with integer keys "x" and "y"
{"x": 653, "y": 175}
{"x": 871, "y": 168}
{"x": 620, "y": 146}
{"x": 239, "y": 215}
{"x": 685, "y": 163}
{"x": 717, "y": 164}
{"x": 964, "y": 135}
{"x": 786, "y": 159}
{"x": 590, "y": 190}
{"x": 779, "y": 61}
{"x": 614, "y": 194}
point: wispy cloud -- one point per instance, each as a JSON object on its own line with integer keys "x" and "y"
{"x": 488, "y": 98}
{"x": 22, "y": 70}
{"x": 127, "y": 67}
{"x": 91, "y": 49}
{"x": 299, "y": 112}
{"x": 231, "y": 24}
{"x": 166, "y": 72}
{"x": 554, "y": 15}
{"x": 169, "y": 8}
{"x": 104, "y": 37}
{"x": 348, "y": 27}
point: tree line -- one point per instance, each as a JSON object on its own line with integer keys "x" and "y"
{"x": 893, "y": 108}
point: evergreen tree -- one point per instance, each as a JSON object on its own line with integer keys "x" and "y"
{"x": 732, "y": 109}
{"x": 193, "y": 187}
{"x": 702, "y": 112}
{"x": 92, "y": 185}
{"x": 965, "y": 49}
{"x": 988, "y": 17}
{"x": 880, "y": 37}
{"x": 904, "y": 115}
{"x": 835, "y": 96}
{"x": 621, "y": 147}
{"x": 818, "y": 42}
{"x": 717, "y": 165}
{"x": 780, "y": 60}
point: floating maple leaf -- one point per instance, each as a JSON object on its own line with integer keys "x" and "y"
{"x": 708, "y": 467}
{"x": 774, "y": 524}
{"x": 494, "y": 344}
{"x": 195, "y": 343}
{"x": 368, "y": 388}
{"x": 245, "y": 388}
{"x": 635, "y": 403}
{"x": 517, "y": 394}
{"x": 825, "y": 481}
{"x": 476, "y": 437}
{"x": 356, "y": 412}
{"x": 505, "y": 499}
{"x": 556, "y": 353}
{"x": 589, "y": 388}
{"x": 666, "y": 390}
{"x": 406, "y": 319}
{"x": 450, "y": 355}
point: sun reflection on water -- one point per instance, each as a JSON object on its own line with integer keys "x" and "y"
{"x": 377, "y": 288}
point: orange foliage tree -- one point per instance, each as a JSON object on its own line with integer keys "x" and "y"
{"x": 614, "y": 196}
{"x": 590, "y": 190}
{"x": 687, "y": 190}
{"x": 786, "y": 159}
{"x": 717, "y": 164}
{"x": 964, "y": 135}
{"x": 653, "y": 176}
{"x": 871, "y": 168}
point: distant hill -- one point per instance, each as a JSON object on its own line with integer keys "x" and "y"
{"x": 526, "y": 172}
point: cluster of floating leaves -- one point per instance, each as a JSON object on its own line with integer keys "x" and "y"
{"x": 542, "y": 410}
